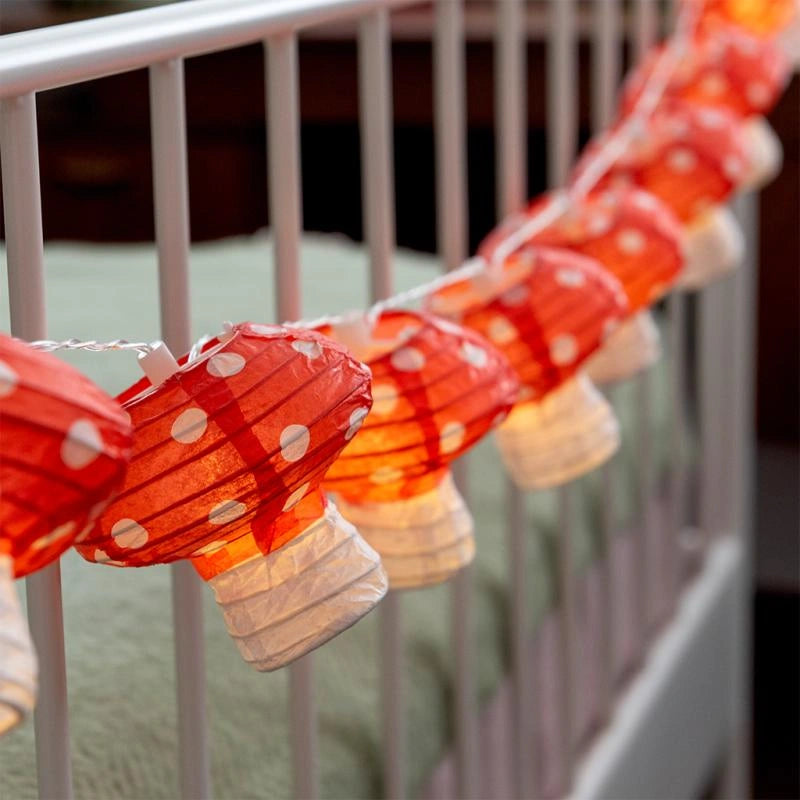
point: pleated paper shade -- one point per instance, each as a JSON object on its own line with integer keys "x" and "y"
{"x": 228, "y": 457}
{"x": 548, "y": 310}
{"x": 64, "y": 446}
{"x": 438, "y": 389}
{"x": 692, "y": 158}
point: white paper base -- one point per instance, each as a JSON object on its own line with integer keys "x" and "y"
{"x": 423, "y": 540}
{"x": 765, "y": 153}
{"x": 633, "y": 347}
{"x": 714, "y": 247}
{"x": 569, "y": 433}
{"x": 280, "y": 606}
{"x": 18, "y": 671}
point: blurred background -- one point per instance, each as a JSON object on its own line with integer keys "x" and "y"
{"x": 97, "y": 186}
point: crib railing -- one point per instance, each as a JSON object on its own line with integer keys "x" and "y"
{"x": 160, "y": 39}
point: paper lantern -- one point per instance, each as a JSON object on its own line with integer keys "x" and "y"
{"x": 763, "y": 18}
{"x": 692, "y": 158}
{"x": 729, "y": 69}
{"x": 636, "y": 238}
{"x": 438, "y": 388}
{"x": 547, "y": 310}
{"x": 64, "y": 445}
{"x": 228, "y": 456}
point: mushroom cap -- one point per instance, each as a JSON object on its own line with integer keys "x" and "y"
{"x": 724, "y": 68}
{"x": 65, "y": 445}
{"x": 547, "y": 310}
{"x": 691, "y": 157}
{"x": 438, "y": 388}
{"x": 763, "y": 18}
{"x": 630, "y": 232}
{"x": 228, "y": 453}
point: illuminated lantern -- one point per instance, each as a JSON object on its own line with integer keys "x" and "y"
{"x": 763, "y": 18}
{"x": 636, "y": 238}
{"x": 727, "y": 68}
{"x": 228, "y": 455}
{"x": 438, "y": 388}
{"x": 692, "y": 158}
{"x": 547, "y": 310}
{"x": 64, "y": 446}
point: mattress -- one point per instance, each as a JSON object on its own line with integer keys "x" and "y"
{"x": 118, "y": 622}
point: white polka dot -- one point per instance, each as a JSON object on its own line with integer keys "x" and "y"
{"x": 678, "y": 128}
{"x": 631, "y": 241}
{"x": 711, "y": 118}
{"x": 310, "y": 350}
{"x": 295, "y": 497}
{"x": 408, "y": 359}
{"x": 733, "y": 168}
{"x": 356, "y": 421}
{"x": 101, "y": 557}
{"x": 448, "y": 327}
{"x": 209, "y": 548}
{"x": 757, "y": 94}
{"x": 224, "y": 365}
{"x": 384, "y": 398}
{"x": 609, "y": 326}
{"x": 451, "y": 437}
{"x": 386, "y": 474}
{"x": 128, "y": 533}
{"x": 515, "y": 296}
{"x": 226, "y": 511}
{"x": 501, "y": 331}
{"x": 527, "y": 257}
{"x": 563, "y": 349}
{"x": 266, "y": 330}
{"x": 571, "y": 278}
{"x": 406, "y": 333}
{"x": 682, "y": 160}
{"x": 714, "y": 84}
{"x": 474, "y": 355}
{"x": 55, "y": 535}
{"x": 82, "y": 444}
{"x": 294, "y": 442}
{"x": 598, "y": 224}
{"x": 8, "y": 379}
{"x": 189, "y": 425}
{"x": 645, "y": 201}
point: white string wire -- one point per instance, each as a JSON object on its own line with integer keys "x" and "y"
{"x": 609, "y": 153}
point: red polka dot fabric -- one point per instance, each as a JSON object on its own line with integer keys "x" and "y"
{"x": 724, "y": 68}
{"x": 762, "y": 18}
{"x": 630, "y": 232}
{"x": 64, "y": 447}
{"x": 690, "y": 157}
{"x": 229, "y": 452}
{"x": 438, "y": 388}
{"x": 547, "y": 310}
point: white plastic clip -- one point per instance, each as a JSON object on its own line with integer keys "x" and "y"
{"x": 159, "y": 364}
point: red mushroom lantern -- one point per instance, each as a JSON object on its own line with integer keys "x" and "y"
{"x": 228, "y": 456}
{"x": 730, "y": 69}
{"x": 762, "y": 18}
{"x": 692, "y": 158}
{"x": 547, "y": 310}
{"x": 64, "y": 445}
{"x": 636, "y": 238}
{"x": 438, "y": 388}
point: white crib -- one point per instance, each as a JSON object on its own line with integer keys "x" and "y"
{"x": 685, "y": 710}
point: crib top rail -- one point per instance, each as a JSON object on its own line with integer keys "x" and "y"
{"x": 36, "y": 60}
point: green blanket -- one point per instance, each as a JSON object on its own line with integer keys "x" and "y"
{"x": 118, "y": 622}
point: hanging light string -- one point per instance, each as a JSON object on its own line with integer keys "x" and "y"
{"x": 611, "y": 150}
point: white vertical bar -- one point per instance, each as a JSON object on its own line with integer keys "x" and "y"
{"x": 171, "y": 205}
{"x": 606, "y": 62}
{"x": 511, "y": 169}
{"x": 562, "y": 91}
{"x": 645, "y": 23}
{"x": 451, "y": 223}
{"x": 375, "y": 102}
{"x": 647, "y": 570}
{"x": 562, "y": 137}
{"x": 283, "y": 154}
{"x": 606, "y": 70}
{"x": 19, "y": 149}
